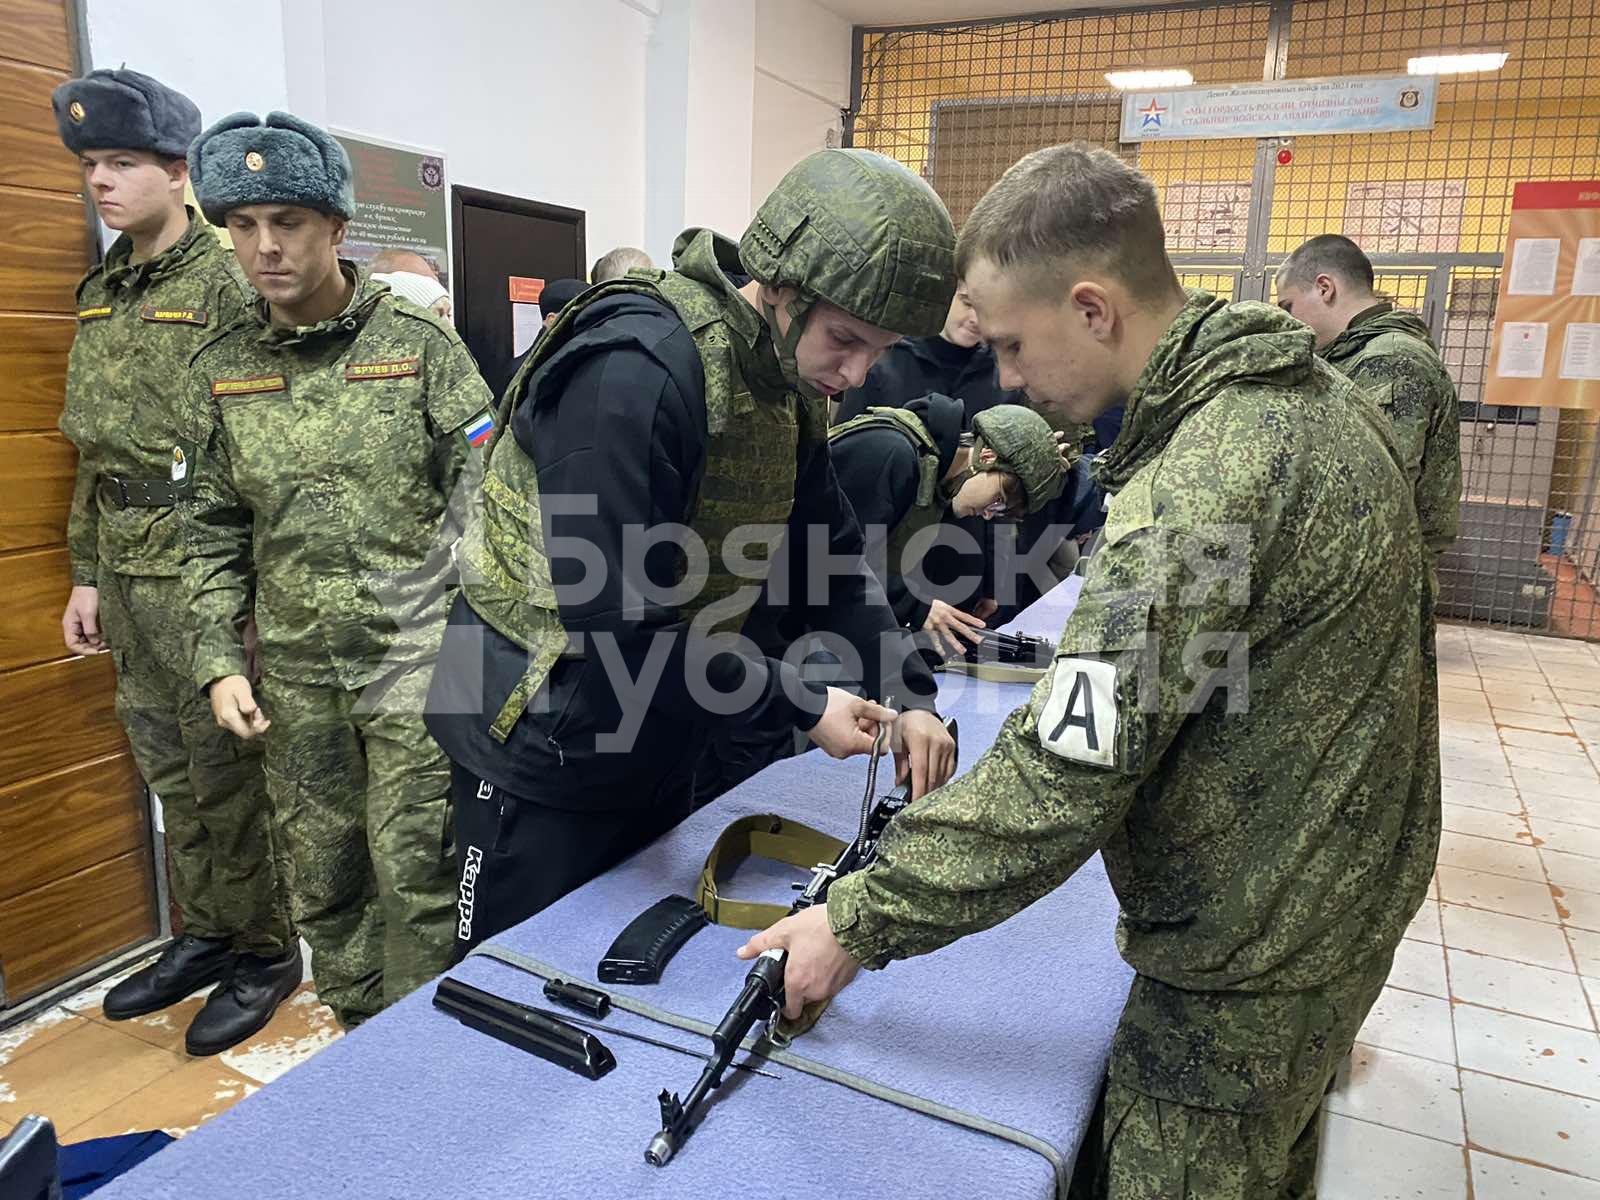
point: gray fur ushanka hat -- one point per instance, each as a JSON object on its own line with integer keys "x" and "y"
{"x": 243, "y": 159}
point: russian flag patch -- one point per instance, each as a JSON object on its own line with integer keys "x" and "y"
{"x": 479, "y": 430}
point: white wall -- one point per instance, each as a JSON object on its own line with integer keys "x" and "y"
{"x": 802, "y": 80}
{"x": 651, "y": 115}
{"x": 223, "y": 63}
{"x": 543, "y": 99}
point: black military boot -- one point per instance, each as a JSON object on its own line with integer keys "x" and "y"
{"x": 244, "y": 1003}
{"x": 186, "y": 966}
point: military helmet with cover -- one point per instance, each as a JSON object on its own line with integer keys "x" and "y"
{"x": 1024, "y": 444}
{"x": 862, "y": 232}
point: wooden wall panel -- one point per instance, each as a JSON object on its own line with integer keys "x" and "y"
{"x": 31, "y": 153}
{"x": 36, "y": 32}
{"x": 48, "y": 933}
{"x": 33, "y": 371}
{"x": 35, "y": 585}
{"x": 38, "y": 471}
{"x": 51, "y": 826}
{"x": 55, "y": 715}
{"x": 44, "y": 250}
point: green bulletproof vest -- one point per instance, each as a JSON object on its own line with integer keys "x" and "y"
{"x": 755, "y": 424}
{"x": 933, "y": 494}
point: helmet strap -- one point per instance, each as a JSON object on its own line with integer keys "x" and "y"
{"x": 786, "y": 345}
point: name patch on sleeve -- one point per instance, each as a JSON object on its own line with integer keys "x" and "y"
{"x": 1079, "y": 720}
{"x": 398, "y": 369}
{"x": 182, "y": 316}
{"x": 94, "y": 314}
{"x": 248, "y": 387}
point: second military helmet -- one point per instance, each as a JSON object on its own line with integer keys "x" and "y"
{"x": 1025, "y": 445}
{"x": 862, "y": 232}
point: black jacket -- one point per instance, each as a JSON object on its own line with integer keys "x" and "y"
{"x": 918, "y": 366}
{"x": 618, "y": 413}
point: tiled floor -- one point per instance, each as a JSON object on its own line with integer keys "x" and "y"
{"x": 1477, "y": 1076}
{"x": 95, "y": 1077}
{"x": 1478, "y": 1073}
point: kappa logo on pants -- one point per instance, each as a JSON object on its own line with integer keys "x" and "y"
{"x": 470, "y": 865}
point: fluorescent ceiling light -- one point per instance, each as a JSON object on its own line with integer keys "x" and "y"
{"x": 1147, "y": 81}
{"x": 1456, "y": 64}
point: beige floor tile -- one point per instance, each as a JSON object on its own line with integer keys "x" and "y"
{"x": 1571, "y": 870}
{"x": 1410, "y": 1024}
{"x": 1532, "y": 1124}
{"x": 1586, "y": 949}
{"x": 1424, "y": 926}
{"x": 1573, "y": 761}
{"x": 36, "y": 1032}
{"x": 1491, "y": 855}
{"x": 1473, "y": 712}
{"x": 1545, "y": 722}
{"x": 1579, "y": 908}
{"x": 1503, "y": 936}
{"x": 178, "y": 1102}
{"x": 1469, "y": 690}
{"x": 1527, "y": 1050}
{"x": 1499, "y": 893}
{"x": 1494, "y": 797}
{"x": 1514, "y": 694}
{"x": 1461, "y": 681}
{"x": 1583, "y": 714}
{"x": 301, "y": 1027}
{"x": 1591, "y": 988}
{"x": 1419, "y": 967}
{"x": 1401, "y": 1091}
{"x": 1495, "y": 1178}
{"x": 1474, "y": 728}
{"x": 1568, "y": 838}
{"x": 1563, "y": 808}
{"x": 1536, "y": 992}
{"x": 1476, "y": 769}
{"x": 1534, "y": 739}
{"x": 1554, "y": 783}
{"x": 1481, "y": 822}
{"x": 1363, "y": 1161}
{"x": 81, "y": 1073}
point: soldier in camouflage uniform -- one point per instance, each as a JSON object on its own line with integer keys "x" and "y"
{"x": 166, "y": 286}
{"x": 582, "y": 671}
{"x": 331, "y": 428}
{"x": 1327, "y": 283}
{"x": 1241, "y": 717}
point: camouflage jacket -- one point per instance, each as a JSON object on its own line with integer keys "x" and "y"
{"x": 1392, "y": 357}
{"x": 1241, "y": 718}
{"x": 325, "y": 458}
{"x": 138, "y": 325}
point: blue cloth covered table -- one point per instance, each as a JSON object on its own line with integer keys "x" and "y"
{"x": 1012, "y": 1026}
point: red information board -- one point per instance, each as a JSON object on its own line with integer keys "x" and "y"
{"x": 1546, "y": 347}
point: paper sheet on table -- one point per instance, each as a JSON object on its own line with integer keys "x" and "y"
{"x": 1533, "y": 266}
{"x": 526, "y": 321}
{"x": 1580, "y": 355}
{"x": 1522, "y": 346}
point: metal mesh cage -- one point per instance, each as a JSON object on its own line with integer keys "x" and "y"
{"x": 961, "y": 102}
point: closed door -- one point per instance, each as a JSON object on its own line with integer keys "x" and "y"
{"x": 499, "y": 239}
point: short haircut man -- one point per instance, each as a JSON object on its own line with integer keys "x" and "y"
{"x": 1390, "y": 355}
{"x": 618, "y": 263}
{"x": 397, "y": 258}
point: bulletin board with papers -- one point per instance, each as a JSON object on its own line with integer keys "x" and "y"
{"x": 1546, "y": 347}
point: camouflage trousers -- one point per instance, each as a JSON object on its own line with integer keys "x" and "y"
{"x": 361, "y": 794}
{"x": 1143, "y": 1147}
{"x": 213, "y": 795}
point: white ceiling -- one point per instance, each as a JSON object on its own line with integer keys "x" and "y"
{"x": 905, "y": 12}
